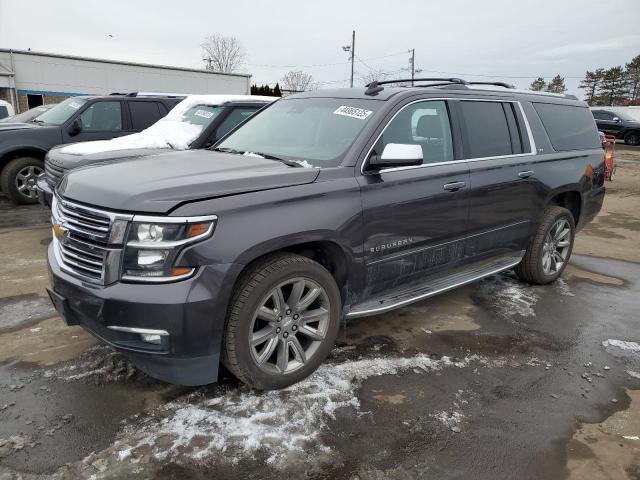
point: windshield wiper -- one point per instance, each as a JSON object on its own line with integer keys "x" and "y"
{"x": 227, "y": 150}
{"x": 268, "y": 156}
{"x": 39, "y": 122}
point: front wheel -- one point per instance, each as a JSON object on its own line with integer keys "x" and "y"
{"x": 550, "y": 248}
{"x": 282, "y": 322}
{"x": 19, "y": 177}
{"x": 632, "y": 138}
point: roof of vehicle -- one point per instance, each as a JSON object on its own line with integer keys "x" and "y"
{"x": 376, "y": 91}
{"x": 217, "y": 99}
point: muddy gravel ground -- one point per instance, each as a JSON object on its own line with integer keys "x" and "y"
{"x": 495, "y": 380}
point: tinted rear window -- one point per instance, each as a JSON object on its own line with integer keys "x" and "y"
{"x": 144, "y": 114}
{"x": 487, "y": 129}
{"x": 568, "y": 127}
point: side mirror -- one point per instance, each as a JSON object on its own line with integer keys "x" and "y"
{"x": 616, "y": 119}
{"x": 76, "y": 127}
{"x": 397, "y": 155}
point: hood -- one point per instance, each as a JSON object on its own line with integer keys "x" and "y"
{"x": 58, "y": 156}
{"x": 17, "y": 126}
{"x": 159, "y": 183}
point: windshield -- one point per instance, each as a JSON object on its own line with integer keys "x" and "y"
{"x": 25, "y": 117}
{"x": 61, "y": 112}
{"x": 313, "y": 131}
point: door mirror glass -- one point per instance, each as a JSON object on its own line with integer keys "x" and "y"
{"x": 397, "y": 155}
{"x": 76, "y": 127}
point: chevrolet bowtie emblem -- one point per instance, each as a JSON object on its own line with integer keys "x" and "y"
{"x": 59, "y": 231}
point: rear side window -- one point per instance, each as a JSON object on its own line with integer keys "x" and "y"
{"x": 568, "y": 127}
{"x": 144, "y": 114}
{"x": 487, "y": 130}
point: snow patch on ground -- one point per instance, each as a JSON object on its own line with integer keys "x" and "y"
{"x": 564, "y": 289}
{"x": 632, "y": 347}
{"x": 284, "y": 424}
{"x": 633, "y": 374}
{"x": 508, "y": 295}
{"x": 452, "y": 417}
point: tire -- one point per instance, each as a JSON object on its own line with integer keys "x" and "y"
{"x": 18, "y": 179}
{"x": 533, "y": 267}
{"x": 632, "y": 138}
{"x": 256, "y": 308}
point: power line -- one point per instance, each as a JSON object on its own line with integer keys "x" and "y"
{"x": 320, "y": 64}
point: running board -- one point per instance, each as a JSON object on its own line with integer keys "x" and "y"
{"x": 415, "y": 292}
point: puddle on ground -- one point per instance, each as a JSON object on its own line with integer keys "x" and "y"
{"x": 23, "y": 310}
{"x": 45, "y": 343}
{"x": 411, "y": 326}
{"x": 576, "y": 273}
{"x": 609, "y": 450}
{"x": 24, "y": 262}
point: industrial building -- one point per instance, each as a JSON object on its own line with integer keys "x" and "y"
{"x": 29, "y": 79}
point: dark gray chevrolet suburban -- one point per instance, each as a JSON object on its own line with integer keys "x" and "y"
{"x": 326, "y": 205}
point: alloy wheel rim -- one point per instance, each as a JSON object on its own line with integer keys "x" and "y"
{"x": 26, "y": 181}
{"x": 556, "y": 247}
{"x": 289, "y": 326}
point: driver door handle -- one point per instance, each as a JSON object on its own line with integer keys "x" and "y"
{"x": 454, "y": 186}
{"x": 526, "y": 174}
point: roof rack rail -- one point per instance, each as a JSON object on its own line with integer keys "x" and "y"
{"x": 374, "y": 88}
{"x": 497, "y": 84}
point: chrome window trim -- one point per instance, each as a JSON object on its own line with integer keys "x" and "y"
{"x": 532, "y": 143}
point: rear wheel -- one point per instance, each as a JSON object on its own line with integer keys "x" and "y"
{"x": 632, "y": 138}
{"x": 550, "y": 249}
{"x": 282, "y": 322}
{"x": 19, "y": 177}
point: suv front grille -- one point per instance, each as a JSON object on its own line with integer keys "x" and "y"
{"x": 53, "y": 172}
{"x": 88, "y": 241}
{"x": 91, "y": 224}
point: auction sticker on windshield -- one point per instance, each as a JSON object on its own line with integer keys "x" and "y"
{"x": 75, "y": 105}
{"x": 353, "y": 112}
{"x": 203, "y": 113}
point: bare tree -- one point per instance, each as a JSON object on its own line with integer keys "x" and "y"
{"x": 222, "y": 53}
{"x": 297, "y": 81}
{"x": 374, "y": 76}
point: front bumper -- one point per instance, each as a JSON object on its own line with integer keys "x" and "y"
{"x": 191, "y": 311}
{"x": 45, "y": 194}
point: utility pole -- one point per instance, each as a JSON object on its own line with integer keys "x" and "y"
{"x": 353, "y": 53}
{"x": 413, "y": 64}
{"x": 351, "y": 49}
{"x": 208, "y": 60}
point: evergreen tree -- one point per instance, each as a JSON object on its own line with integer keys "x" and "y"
{"x": 254, "y": 89}
{"x": 276, "y": 91}
{"x": 538, "y": 84}
{"x": 632, "y": 72}
{"x": 556, "y": 85}
{"x": 613, "y": 88}
{"x": 590, "y": 84}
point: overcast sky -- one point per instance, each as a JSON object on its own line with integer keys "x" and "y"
{"x": 510, "y": 40}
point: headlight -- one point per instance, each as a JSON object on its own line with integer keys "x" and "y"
{"x": 152, "y": 246}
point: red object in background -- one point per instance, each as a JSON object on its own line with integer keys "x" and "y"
{"x": 609, "y": 145}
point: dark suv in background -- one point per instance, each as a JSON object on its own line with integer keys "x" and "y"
{"x": 621, "y": 125}
{"x": 77, "y": 119}
{"x": 196, "y": 122}
{"x": 325, "y": 205}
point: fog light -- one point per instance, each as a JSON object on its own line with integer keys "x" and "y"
{"x": 151, "y": 338}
